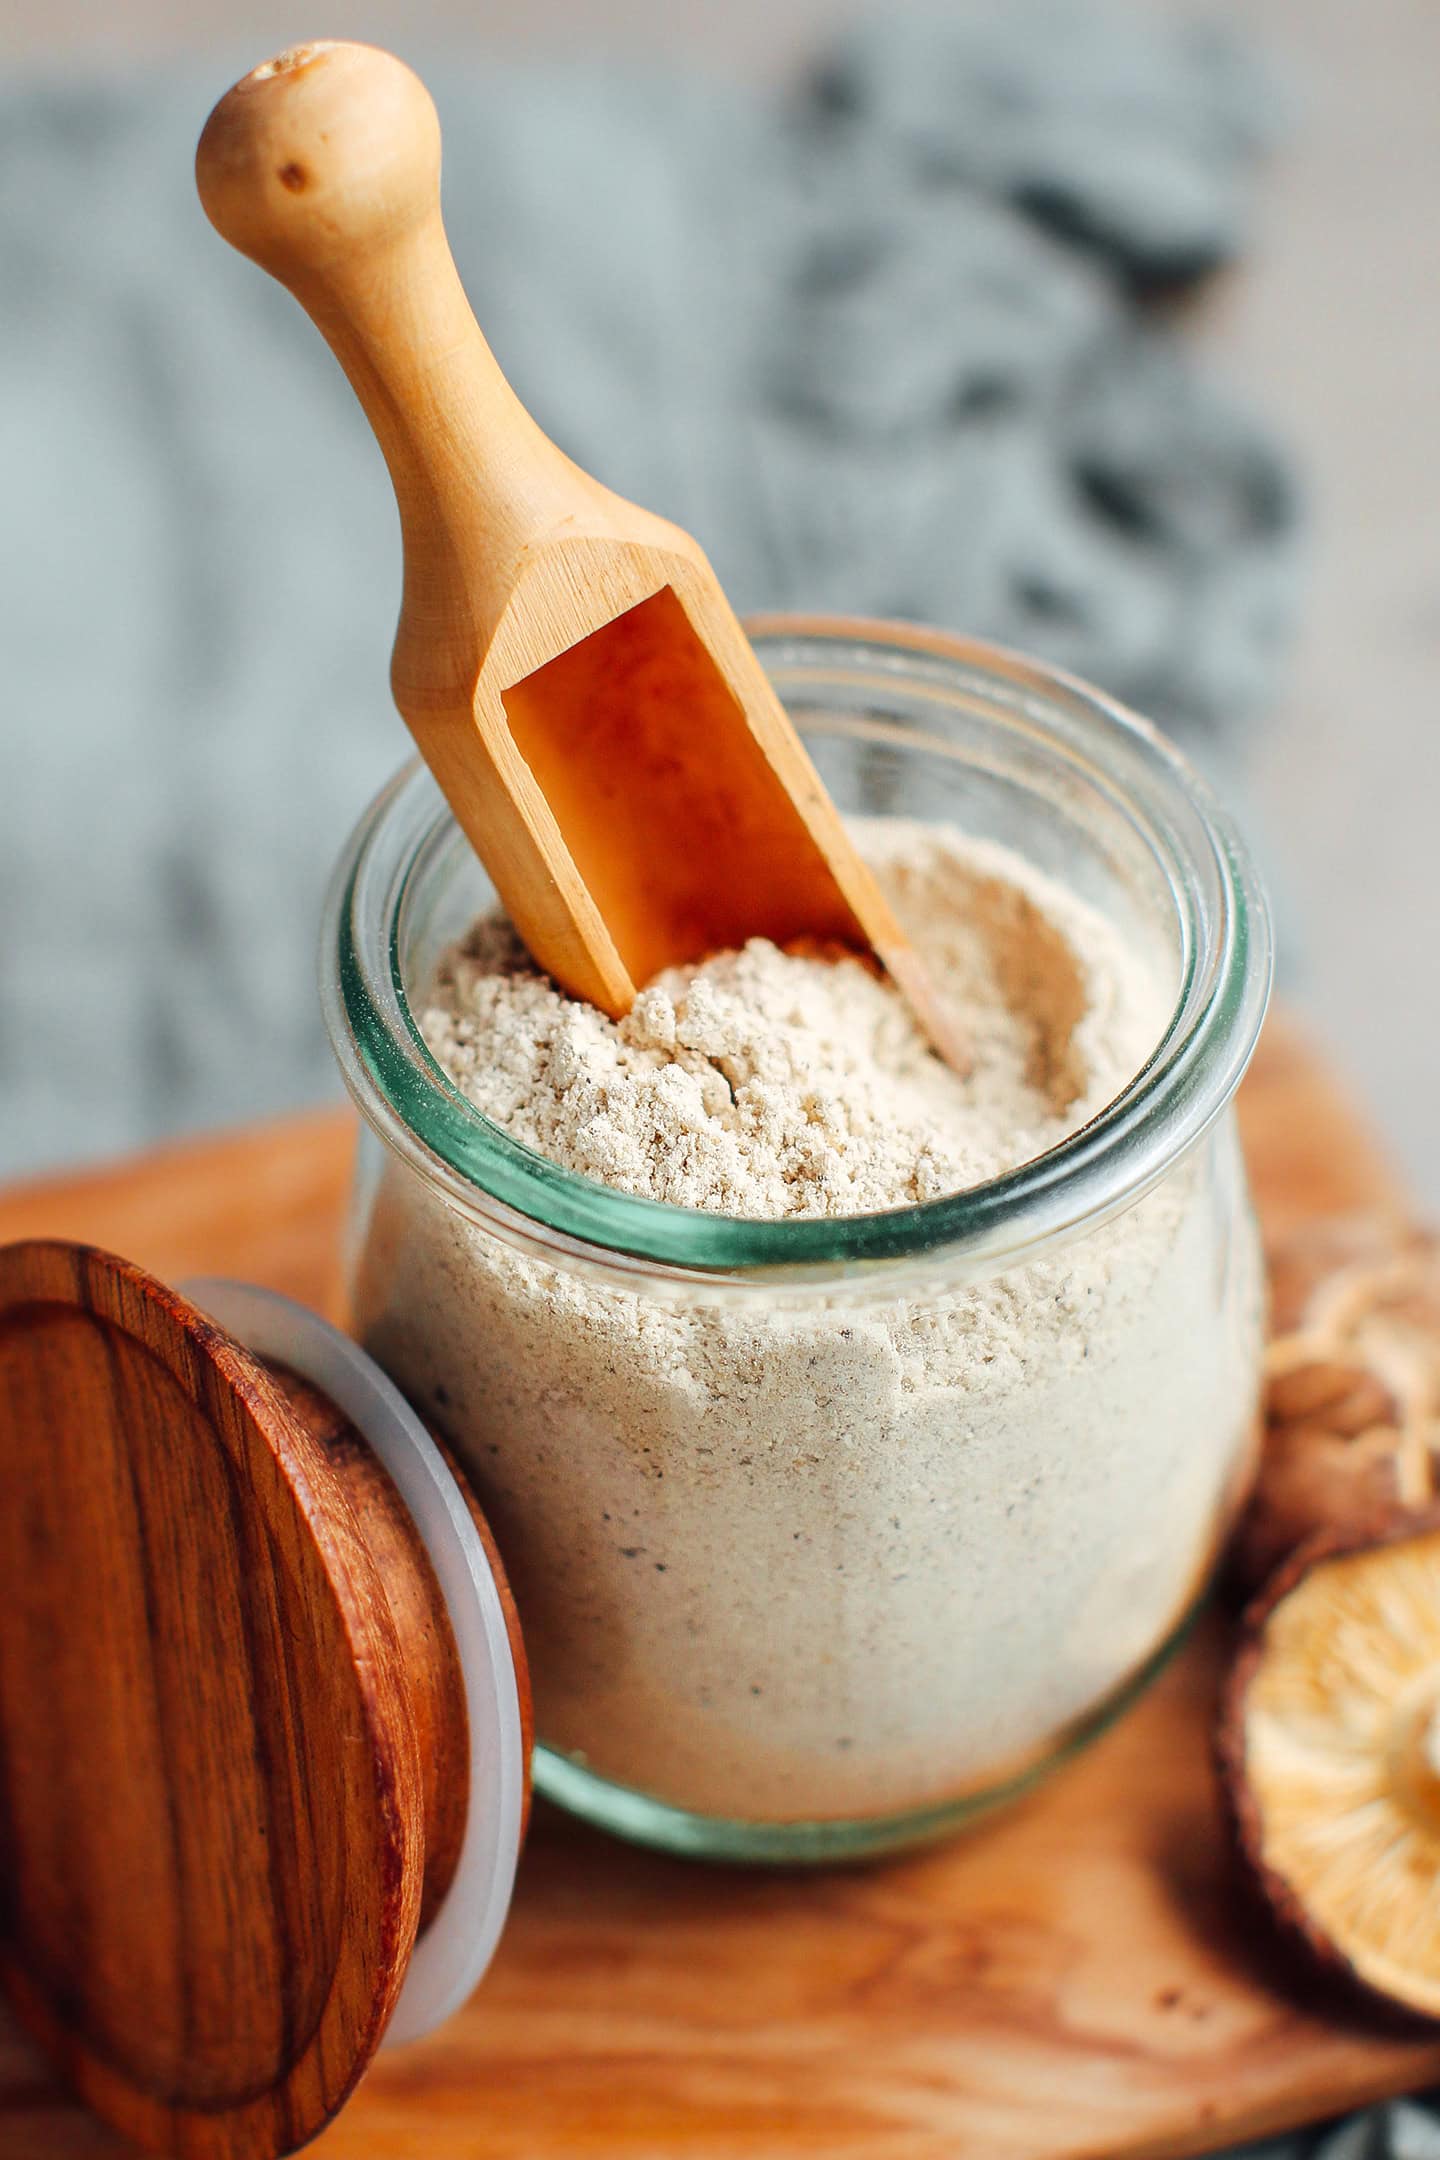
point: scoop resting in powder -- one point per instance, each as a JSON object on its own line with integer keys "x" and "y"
{"x": 772, "y": 1083}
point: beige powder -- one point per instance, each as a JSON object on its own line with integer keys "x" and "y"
{"x": 830, "y": 1553}
{"x": 768, "y": 1084}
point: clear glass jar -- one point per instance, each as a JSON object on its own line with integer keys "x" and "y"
{"x": 909, "y": 1553}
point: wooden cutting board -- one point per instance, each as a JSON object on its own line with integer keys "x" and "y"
{"x": 1077, "y": 1978}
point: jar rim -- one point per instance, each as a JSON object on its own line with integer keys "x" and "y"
{"x": 1104, "y": 1166}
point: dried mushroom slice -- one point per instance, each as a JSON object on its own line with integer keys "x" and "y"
{"x": 1329, "y": 1750}
{"x": 1352, "y": 1406}
{"x": 1339, "y": 1250}
{"x": 1339, "y": 1462}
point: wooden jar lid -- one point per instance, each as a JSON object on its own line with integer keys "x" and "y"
{"x": 236, "y": 1754}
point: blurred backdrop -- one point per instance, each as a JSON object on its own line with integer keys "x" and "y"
{"x": 1110, "y": 332}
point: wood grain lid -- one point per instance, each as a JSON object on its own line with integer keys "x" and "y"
{"x": 235, "y": 1743}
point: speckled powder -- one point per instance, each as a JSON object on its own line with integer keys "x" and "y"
{"x": 769, "y": 1084}
{"x": 843, "y": 1551}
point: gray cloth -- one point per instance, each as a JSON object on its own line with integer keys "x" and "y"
{"x": 1401, "y": 2130}
{"x": 1136, "y": 142}
{"x": 879, "y": 346}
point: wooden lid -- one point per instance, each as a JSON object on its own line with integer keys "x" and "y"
{"x": 233, "y": 1739}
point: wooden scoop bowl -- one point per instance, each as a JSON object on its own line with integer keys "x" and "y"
{"x": 567, "y": 663}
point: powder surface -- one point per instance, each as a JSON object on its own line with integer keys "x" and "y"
{"x": 774, "y": 1084}
{"x": 851, "y": 1548}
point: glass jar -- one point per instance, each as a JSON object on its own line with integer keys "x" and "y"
{"x": 827, "y": 1533}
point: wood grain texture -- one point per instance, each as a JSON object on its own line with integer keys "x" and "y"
{"x": 1077, "y": 1979}
{"x": 433, "y": 1683}
{"x": 568, "y": 664}
{"x": 234, "y": 1773}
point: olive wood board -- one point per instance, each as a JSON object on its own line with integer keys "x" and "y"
{"x": 1078, "y": 1977}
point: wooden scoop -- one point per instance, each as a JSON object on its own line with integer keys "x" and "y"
{"x": 567, "y": 663}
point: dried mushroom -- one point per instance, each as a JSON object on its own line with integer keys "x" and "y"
{"x": 1330, "y": 1755}
{"x": 1352, "y": 1408}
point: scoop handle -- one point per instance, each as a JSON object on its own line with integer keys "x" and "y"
{"x": 323, "y": 166}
